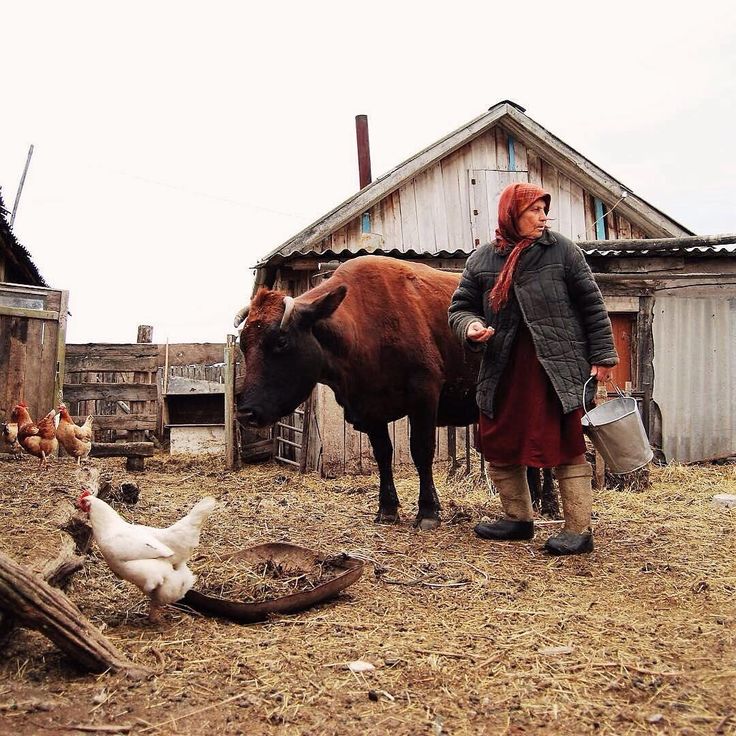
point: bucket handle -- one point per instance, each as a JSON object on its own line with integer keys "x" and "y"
{"x": 621, "y": 394}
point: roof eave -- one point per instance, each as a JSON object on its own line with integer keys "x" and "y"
{"x": 599, "y": 182}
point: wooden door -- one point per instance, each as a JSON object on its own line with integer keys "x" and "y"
{"x": 623, "y": 324}
{"x": 485, "y": 187}
{"x": 32, "y": 342}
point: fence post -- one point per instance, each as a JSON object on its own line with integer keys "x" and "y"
{"x": 231, "y": 450}
{"x": 135, "y": 463}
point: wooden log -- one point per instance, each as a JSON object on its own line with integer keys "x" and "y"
{"x": 33, "y": 603}
{"x": 122, "y": 449}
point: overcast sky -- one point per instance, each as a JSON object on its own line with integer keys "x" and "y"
{"x": 178, "y": 142}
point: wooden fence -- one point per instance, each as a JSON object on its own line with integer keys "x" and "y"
{"x": 123, "y": 386}
{"x": 117, "y": 385}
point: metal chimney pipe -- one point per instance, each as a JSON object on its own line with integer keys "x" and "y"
{"x": 364, "y": 150}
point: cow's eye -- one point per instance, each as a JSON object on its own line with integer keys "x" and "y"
{"x": 281, "y": 343}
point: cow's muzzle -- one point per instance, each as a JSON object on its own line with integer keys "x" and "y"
{"x": 253, "y": 417}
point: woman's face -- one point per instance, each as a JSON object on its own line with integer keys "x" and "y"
{"x": 532, "y": 220}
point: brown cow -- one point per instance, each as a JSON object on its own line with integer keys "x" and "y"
{"x": 376, "y": 333}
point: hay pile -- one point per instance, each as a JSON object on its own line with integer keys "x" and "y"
{"x": 466, "y": 636}
{"x": 244, "y": 582}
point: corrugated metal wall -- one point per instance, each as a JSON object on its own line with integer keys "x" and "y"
{"x": 694, "y": 376}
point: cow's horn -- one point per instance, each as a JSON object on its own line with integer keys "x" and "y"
{"x": 288, "y": 308}
{"x": 241, "y": 315}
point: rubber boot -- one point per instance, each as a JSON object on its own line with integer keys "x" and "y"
{"x": 576, "y": 493}
{"x": 510, "y": 480}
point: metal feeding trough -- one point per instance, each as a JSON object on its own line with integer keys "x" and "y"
{"x": 277, "y": 553}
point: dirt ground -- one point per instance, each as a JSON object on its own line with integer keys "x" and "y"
{"x": 467, "y": 637}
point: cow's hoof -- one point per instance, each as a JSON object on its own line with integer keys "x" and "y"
{"x": 426, "y": 524}
{"x": 387, "y": 517}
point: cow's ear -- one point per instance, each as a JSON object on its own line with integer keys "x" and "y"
{"x": 324, "y": 306}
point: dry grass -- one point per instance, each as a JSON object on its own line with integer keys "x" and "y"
{"x": 467, "y": 636}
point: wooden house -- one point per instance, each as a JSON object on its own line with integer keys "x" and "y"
{"x": 440, "y": 204}
{"x": 32, "y": 330}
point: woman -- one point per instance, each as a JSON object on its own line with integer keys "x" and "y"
{"x": 529, "y": 299}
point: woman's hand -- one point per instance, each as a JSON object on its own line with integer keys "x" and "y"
{"x": 601, "y": 372}
{"x": 477, "y": 333}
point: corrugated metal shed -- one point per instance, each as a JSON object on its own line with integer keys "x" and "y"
{"x": 695, "y": 385}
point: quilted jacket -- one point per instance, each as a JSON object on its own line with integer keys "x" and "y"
{"x": 555, "y": 294}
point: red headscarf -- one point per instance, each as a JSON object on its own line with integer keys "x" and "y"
{"x": 514, "y": 200}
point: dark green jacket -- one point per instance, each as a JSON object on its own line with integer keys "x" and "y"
{"x": 555, "y": 294}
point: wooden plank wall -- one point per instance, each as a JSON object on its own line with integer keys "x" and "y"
{"x": 434, "y": 211}
{"x": 32, "y": 325}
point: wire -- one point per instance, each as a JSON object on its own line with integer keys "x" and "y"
{"x": 605, "y": 214}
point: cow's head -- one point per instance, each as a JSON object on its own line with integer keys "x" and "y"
{"x": 283, "y": 358}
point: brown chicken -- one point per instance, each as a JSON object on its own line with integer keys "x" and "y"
{"x": 10, "y": 437}
{"x": 76, "y": 440}
{"x": 37, "y": 439}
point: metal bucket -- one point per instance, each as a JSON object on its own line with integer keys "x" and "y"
{"x": 616, "y": 430}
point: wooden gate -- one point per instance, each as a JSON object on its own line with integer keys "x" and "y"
{"x": 117, "y": 385}
{"x": 32, "y": 339}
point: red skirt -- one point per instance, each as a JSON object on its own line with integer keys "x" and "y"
{"x": 529, "y": 427}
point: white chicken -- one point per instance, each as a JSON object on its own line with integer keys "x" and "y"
{"x": 153, "y": 559}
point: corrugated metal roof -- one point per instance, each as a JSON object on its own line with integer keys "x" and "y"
{"x": 694, "y": 246}
{"x": 723, "y": 246}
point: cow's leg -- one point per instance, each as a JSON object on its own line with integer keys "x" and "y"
{"x": 550, "y": 505}
{"x": 535, "y": 487}
{"x": 388, "y": 501}
{"x": 422, "y": 442}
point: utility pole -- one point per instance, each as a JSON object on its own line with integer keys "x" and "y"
{"x": 20, "y": 186}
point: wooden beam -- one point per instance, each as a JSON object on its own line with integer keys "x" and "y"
{"x": 61, "y": 349}
{"x": 143, "y": 350}
{"x": 231, "y": 449}
{"x": 122, "y": 421}
{"x": 110, "y": 392}
{"x": 29, "y": 313}
{"x": 645, "y": 358}
{"x": 659, "y": 244}
{"x": 122, "y": 449}
{"x": 657, "y": 277}
{"x": 110, "y": 363}
{"x": 138, "y": 406}
{"x": 184, "y": 353}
